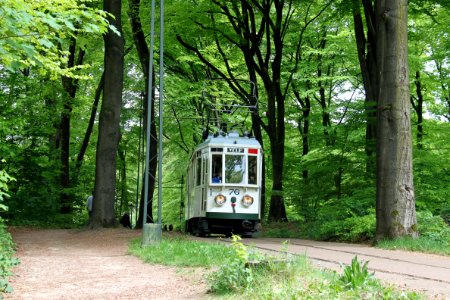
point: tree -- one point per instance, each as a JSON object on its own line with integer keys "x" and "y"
{"x": 395, "y": 201}
{"x": 103, "y": 214}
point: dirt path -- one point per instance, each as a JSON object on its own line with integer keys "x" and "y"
{"x": 77, "y": 264}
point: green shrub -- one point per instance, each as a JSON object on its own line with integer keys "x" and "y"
{"x": 356, "y": 275}
{"x": 7, "y": 261}
{"x": 433, "y": 227}
{"x": 235, "y": 274}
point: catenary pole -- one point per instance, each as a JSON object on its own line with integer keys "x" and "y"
{"x": 161, "y": 106}
{"x": 149, "y": 115}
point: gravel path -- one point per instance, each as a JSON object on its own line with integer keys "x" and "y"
{"x": 93, "y": 264}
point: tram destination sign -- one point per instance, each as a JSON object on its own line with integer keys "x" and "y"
{"x": 235, "y": 150}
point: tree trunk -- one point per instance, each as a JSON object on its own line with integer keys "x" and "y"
{"x": 395, "y": 201}
{"x": 418, "y": 108}
{"x": 368, "y": 65}
{"x": 277, "y": 211}
{"x": 303, "y": 123}
{"x": 70, "y": 86}
{"x": 87, "y": 135}
{"x": 103, "y": 214}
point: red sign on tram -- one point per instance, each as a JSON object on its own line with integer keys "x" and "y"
{"x": 252, "y": 151}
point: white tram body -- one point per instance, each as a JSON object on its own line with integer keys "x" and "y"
{"x": 224, "y": 186}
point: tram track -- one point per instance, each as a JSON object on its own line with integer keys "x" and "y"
{"x": 417, "y": 271}
{"x": 372, "y": 255}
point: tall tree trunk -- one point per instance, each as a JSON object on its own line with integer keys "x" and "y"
{"x": 89, "y": 129}
{"x": 143, "y": 54}
{"x": 418, "y": 108}
{"x": 303, "y": 123}
{"x": 70, "y": 86}
{"x": 366, "y": 47}
{"x": 256, "y": 123}
{"x": 103, "y": 214}
{"x": 395, "y": 201}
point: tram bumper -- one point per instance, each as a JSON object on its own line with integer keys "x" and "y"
{"x": 248, "y": 225}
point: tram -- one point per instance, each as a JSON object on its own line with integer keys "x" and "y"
{"x": 224, "y": 186}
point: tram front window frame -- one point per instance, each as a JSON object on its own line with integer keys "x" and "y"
{"x": 233, "y": 168}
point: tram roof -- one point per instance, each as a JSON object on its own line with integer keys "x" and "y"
{"x": 231, "y": 139}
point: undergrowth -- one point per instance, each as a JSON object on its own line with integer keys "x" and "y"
{"x": 240, "y": 271}
{"x": 434, "y": 236}
{"x": 7, "y": 261}
{"x": 7, "y": 247}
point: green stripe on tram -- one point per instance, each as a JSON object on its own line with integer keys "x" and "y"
{"x": 231, "y": 216}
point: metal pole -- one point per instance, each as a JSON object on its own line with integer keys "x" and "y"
{"x": 161, "y": 105}
{"x": 149, "y": 115}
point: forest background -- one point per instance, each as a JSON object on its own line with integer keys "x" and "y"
{"x": 52, "y": 83}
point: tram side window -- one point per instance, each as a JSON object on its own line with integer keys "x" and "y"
{"x": 216, "y": 166}
{"x": 234, "y": 168}
{"x": 198, "y": 171}
{"x": 252, "y": 169}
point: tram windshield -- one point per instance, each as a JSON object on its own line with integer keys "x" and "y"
{"x": 234, "y": 168}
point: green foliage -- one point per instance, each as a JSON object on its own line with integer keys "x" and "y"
{"x": 4, "y": 178}
{"x": 31, "y": 32}
{"x": 433, "y": 227}
{"x": 349, "y": 219}
{"x": 351, "y": 229}
{"x": 235, "y": 274}
{"x": 335, "y": 201}
{"x": 356, "y": 275}
{"x": 431, "y": 169}
{"x": 6, "y": 244}
{"x": 7, "y": 261}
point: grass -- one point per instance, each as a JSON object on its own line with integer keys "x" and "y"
{"x": 421, "y": 244}
{"x": 286, "y": 277}
{"x": 180, "y": 251}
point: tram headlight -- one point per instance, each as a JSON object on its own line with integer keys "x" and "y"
{"x": 220, "y": 199}
{"x": 247, "y": 200}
